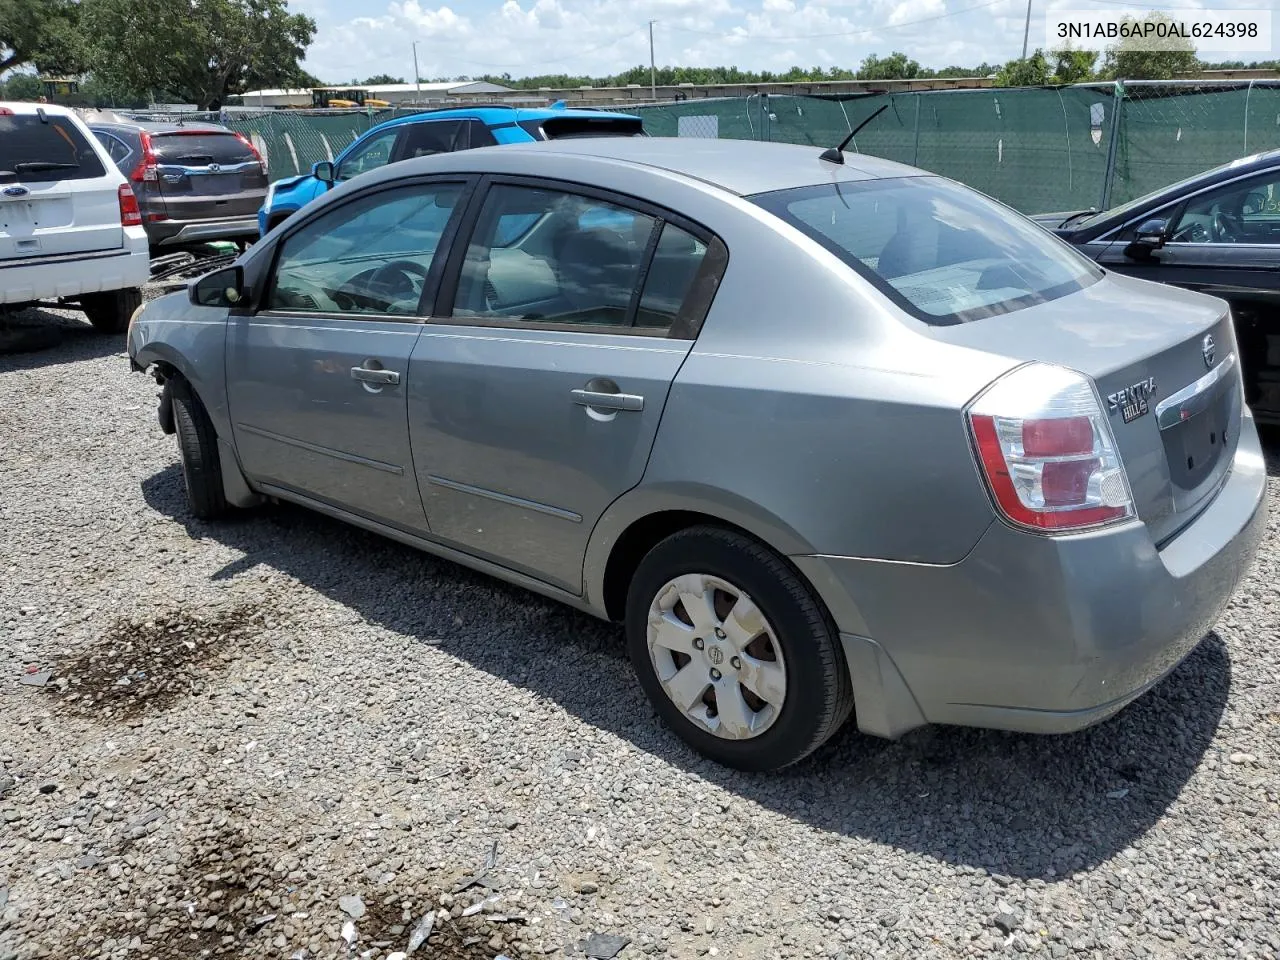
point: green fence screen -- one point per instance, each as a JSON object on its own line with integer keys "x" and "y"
{"x": 1036, "y": 149}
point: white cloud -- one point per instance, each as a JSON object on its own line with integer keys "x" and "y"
{"x": 358, "y": 38}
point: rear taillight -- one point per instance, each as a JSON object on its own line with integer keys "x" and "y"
{"x": 130, "y": 215}
{"x": 146, "y": 168}
{"x": 5, "y": 112}
{"x": 254, "y": 150}
{"x": 1046, "y": 451}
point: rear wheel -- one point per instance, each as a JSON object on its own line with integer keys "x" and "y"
{"x": 198, "y": 448}
{"x": 110, "y": 312}
{"x": 734, "y": 651}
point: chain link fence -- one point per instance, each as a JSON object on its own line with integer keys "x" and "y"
{"x": 1036, "y": 149}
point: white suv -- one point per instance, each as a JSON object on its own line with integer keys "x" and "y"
{"x": 70, "y": 229}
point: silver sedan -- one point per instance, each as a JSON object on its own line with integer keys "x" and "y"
{"x": 829, "y": 435}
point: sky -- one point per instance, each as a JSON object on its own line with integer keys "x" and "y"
{"x": 359, "y": 38}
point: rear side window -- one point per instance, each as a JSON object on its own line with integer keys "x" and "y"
{"x": 564, "y": 128}
{"x": 437, "y": 136}
{"x": 36, "y": 151}
{"x": 944, "y": 253}
{"x": 200, "y": 149}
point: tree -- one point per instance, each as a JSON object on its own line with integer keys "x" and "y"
{"x": 200, "y": 51}
{"x": 381, "y": 79}
{"x": 42, "y": 33}
{"x": 896, "y": 66}
{"x": 1032, "y": 71}
{"x": 21, "y": 86}
{"x": 1072, "y": 66}
{"x": 1173, "y": 57}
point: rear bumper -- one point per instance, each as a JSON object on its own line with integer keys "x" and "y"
{"x": 1040, "y": 634}
{"x": 67, "y": 277}
{"x": 166, "y": 233}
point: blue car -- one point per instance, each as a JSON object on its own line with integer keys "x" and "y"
{"x": 439, "y": 131}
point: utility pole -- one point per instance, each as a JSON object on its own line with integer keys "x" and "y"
{"x": 653, "y": 69}
{"x": 417, "y": 81}
{"x": 1026, "y": 30}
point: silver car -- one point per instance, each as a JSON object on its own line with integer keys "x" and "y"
{"x": 829, "y": 437}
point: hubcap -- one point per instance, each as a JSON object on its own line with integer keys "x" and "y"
{"x": 716, "y": 656}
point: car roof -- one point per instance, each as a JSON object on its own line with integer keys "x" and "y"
{"x": 159, "y": 129}
{"x": 28, "y": 108}
{"x": 495, "y": 115}
{"x": 744, "y": 167}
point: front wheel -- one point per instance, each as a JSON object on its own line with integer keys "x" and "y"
{"x": 198, "y": 448}
{"x": 734, "y": 651}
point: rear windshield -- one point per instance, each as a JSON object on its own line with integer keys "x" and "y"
{"x": 200, "y": 149}
{"x": 35, "y": 151}
{"x": 563, "y": 128}
{"x": 942, "y": 252}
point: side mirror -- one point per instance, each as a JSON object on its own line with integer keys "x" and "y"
{"x": 1150, "y": 237}
{"x": 323, "y": 170}
{"x": 222, "y": 288}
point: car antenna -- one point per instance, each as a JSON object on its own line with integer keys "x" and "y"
{"x": 836, "y": 154}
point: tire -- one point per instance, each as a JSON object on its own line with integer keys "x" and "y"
{"x": 198, "y": 448}
{"x": 798, "y": 637}
{"x": 110, "y": 312}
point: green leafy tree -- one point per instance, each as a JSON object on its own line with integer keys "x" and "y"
{"x": 21, "y": 86}
{"x": 896, "y": 66}
{"x": 199, "y": 51}
{"x": 40, "y": 33}
{"x": 380, "y": 79}
{"x": 1072, "y": 66}
{"x": 1032, "y": 71}
{"x": 1175, "y": 56}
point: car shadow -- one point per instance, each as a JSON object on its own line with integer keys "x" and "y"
{"x": 36, "y": 338}
{"x": 1018, "y": 805}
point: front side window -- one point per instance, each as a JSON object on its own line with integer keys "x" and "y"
{"x": 944, "y": 253}
{"x": 1245, "y": 212}
{"x": 553, "y": 257}
{"x": 371, "y": 255}
{"x": 44, "y": 151}
{"x": 373, "y": 153}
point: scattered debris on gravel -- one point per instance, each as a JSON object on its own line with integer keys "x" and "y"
{"x": 281, "y": 737}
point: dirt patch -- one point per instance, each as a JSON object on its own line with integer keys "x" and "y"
{"x": 142, "y": 667}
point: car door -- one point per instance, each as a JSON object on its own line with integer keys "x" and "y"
{"x": 317, "y": 377}
{"x": 1224, "y": 241}
{"x": 535, "y": 393}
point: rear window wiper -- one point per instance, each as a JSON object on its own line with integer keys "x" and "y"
{"x": 30, "y": 166}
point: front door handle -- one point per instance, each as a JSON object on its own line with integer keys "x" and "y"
{"x": 608, "y": 401}
{"x": 381, "y": 377}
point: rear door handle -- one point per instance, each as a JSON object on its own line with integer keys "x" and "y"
{"x": 385, "y": 377}
{"x": 608, "y": 401}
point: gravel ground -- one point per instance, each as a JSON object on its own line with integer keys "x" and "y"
{"x": 251, "y": 726}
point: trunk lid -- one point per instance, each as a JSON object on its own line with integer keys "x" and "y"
{"x": 56, "y": 194}
{"x": 1167, "y": 371}
{"x": 207, "y": 175}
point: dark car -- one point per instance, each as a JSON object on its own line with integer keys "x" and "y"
{"x": 1217, "y": 232}
{"x": 195, "y": 182}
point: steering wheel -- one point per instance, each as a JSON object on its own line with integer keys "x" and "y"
{"x": 396, "y": 278}
{"x": 1225, "y": 228}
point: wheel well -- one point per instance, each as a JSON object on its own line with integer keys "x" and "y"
{"x": 641, "y": 537}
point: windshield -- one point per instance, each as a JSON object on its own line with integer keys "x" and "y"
{"x": 201, "y": 149}
{"x": 42, "y": 151}
{"x": 1171, "y": 188}
{"x": 944, "y": 253}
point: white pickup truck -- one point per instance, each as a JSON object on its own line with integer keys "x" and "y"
{"x": 70, "y": 228}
